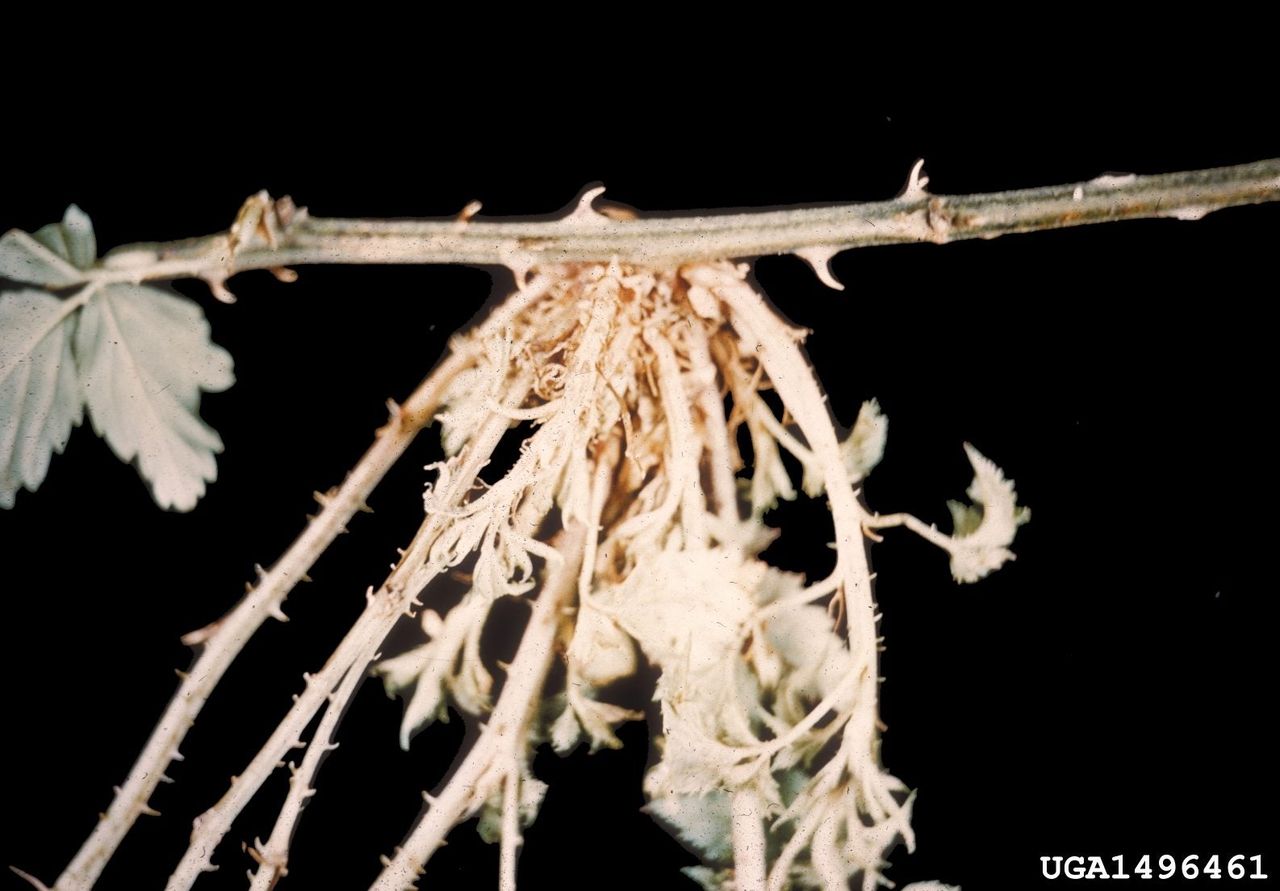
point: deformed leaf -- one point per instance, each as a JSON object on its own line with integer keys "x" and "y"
{"x": 40, "y": 397}
{"x": 144, "y": 355}
{"x": 532, "y": 791}
{"x": 984, "y": 531}
{"x": 565, "y": 731}
{"x": 860, "y": 451}
{"x": 864, "y": 447}
{"x": 703, "y": 823}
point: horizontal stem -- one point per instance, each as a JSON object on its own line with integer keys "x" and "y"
{"x": 294, "y": 239}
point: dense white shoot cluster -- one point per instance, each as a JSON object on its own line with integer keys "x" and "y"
{"x": 634, "y": 382}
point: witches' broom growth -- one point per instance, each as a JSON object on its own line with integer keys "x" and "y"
{"x": 635, "y": 353}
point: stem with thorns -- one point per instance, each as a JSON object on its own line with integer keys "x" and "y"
{"x": 222, "y": 641}
{"x": 354, "y": 653}
{"x": 490, "y": 763}
{"x": 273, "y": 857}
{"x": 281, "y": 235}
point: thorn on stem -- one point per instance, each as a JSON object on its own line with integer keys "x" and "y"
{"x": 464, "y": 216}
{"x": 200, "y": 635}
{"x": 914, "y": 190}
{"x": 29, "y": 878}
{"x": 217, "y": 287}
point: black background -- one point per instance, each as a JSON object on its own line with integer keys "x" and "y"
{"x": 1108, "y": 693}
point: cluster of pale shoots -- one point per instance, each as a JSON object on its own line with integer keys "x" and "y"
{"x": 627, "y": 489}
{"x": 654, "y": 397}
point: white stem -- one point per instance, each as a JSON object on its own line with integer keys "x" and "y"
{"x": 585, "y": 236}
{"x": 919, "y": 527}
{"x": 750, "y": 855}
{"x": 793, "y": 379}
{"x": 684, "y": 447}
{"x": 223, "y": 640}
{"x": 511, "y": 839}
{"x": 799, "y": 840}
{"x": 357, "y": 648}
{"x": 273, "y": 857}
{"x": 501, "y": 743}
{"x": 715, "y": 430}
{"x": 355, "y": 651}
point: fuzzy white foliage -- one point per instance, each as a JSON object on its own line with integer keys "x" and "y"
{"x": 433, "y": 668}
{"x": 863, "y": 448}
{"x": 755, "y": 682}
{"x": 983, "y": 531}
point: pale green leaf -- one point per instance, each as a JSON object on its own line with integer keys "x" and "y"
{"x": 72, "y": 239}
{"x": 39, "y": 396}
{"x": 24, "y": 259}
{"x": 82, "y": 245}
{"x": 144, "y": 357}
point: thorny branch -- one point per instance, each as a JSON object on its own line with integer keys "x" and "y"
{"x": 275, "y": 235}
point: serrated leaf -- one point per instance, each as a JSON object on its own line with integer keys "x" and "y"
{"x": 984, "y": 532}
{"x": 864, "y": 447}
{"x": 144, "y": 357}
{"x": 40, "y": 397}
